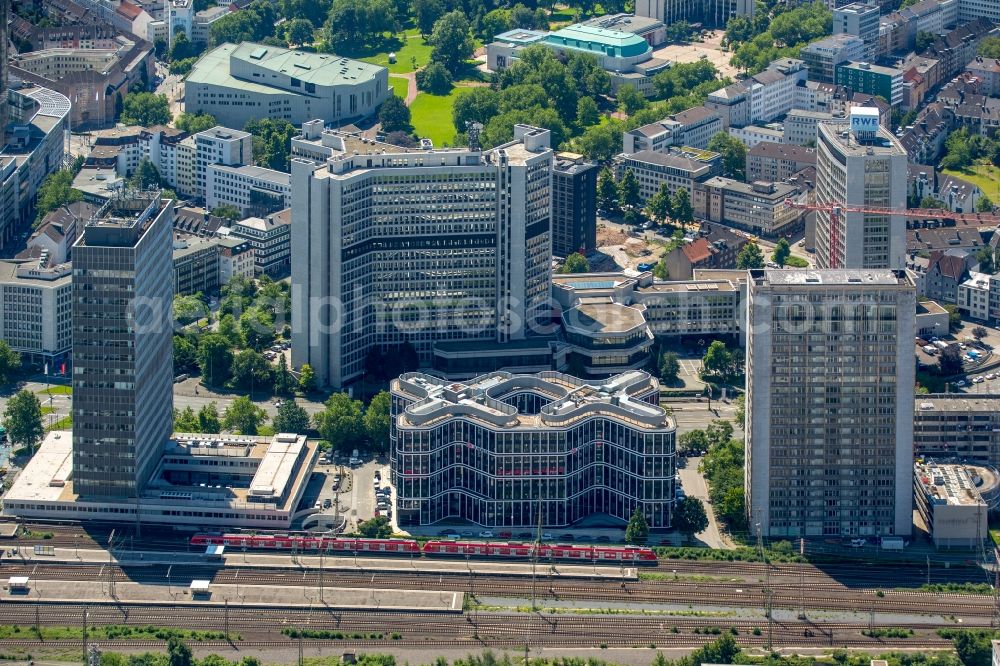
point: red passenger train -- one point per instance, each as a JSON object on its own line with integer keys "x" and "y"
{"x": 478, "y": 549}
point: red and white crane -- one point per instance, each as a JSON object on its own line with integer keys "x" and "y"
{"x": 836, "y": 209}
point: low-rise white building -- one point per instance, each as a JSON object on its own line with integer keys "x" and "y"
{"x": 254, "y": 190}
{"x": 974, "y": 296}
{"x": 236, "y": 258}
{"x": 35, "y": 316}
{"x": 271, "y": 239}
{"x": 694, "y": 127}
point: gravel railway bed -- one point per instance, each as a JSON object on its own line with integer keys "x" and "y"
{"x": 548, "y": 589}
{"x": 473, "y": 630}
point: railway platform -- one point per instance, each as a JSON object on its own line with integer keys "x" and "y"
{"x": 383, "y": 564}
{"x": 186, "y": 593}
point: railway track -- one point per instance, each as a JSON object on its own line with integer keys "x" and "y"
{"x": 261, "y": 629}
{"x": 549, "y": 589}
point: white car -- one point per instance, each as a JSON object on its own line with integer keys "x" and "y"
{"x": 960, "y": 382}
{"x": 990, "y": 376}
{"x": 486, "y": 534}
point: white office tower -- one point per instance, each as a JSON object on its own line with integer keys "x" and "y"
{"x": 829, "y": 408}
{"x": 391, "y": 245}
{"x": 861, "y": 177}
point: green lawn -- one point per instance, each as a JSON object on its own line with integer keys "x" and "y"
{"x": 431, "y": 116}
{"x": 56, "y": 390}
{"x": 414, "y": 48}
{"x": 985, "y": 176}
{"x": 65, "y": 423}
{"x": 399, "y": 86}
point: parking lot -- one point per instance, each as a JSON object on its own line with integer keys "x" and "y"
{"x": 341, "y": 490}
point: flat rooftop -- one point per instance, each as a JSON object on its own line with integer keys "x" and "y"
{"x": 957, "y": 402}
{"x": 831, "y": 277}
{"x": 48, "y": 476}
{"x": 947, "y": 484}
{"x": 693, "y": 286}
{"x": 595, "y": 318}
{"x": 570, "y": 399}
{"x": 837, "y": 134}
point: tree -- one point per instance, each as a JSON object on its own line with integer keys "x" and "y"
{"x": 145, "y": 109}
{"x": 637, "y": 529}
{"x": 257, "y": 327}
{"x": 251, "y": 370}
{"x": 376, "y": 421}
{"x": 974, "y": 647}
{"x": 690, "y": 516}
{"x": 394, "y": 115}
{"x": 272, "y": 141}
{"x": 182, "y": 48}
{"x": 661, "y": 206}
{"x": 607, "y": 191}
{"x": 740, "y": 415}
{"x": 23, "y": 419}
{"x": 178, "y": 652}
{"x": 375, "y": 528}
{"x": 979, "y": 332}
{"x": 341, "y": 423}
{"x": 243, "y": 416}
{"x": 984, "y": 205}
{"x": 990, "y": 47}
{"x": 718, "y": 360}
{"x": 782, "y": 250}
{"x": 185, "y": 354}
{"x": 307, "y": 379}
{"x": 427, "y": 12}
{"x": 188, "y": 309}
{"x": 959, "y": 153}
{"x": 146, "y": 175}
{"x": 734, "y": 155}
{"x": 986, "y": 260}
{"x": 291, "y": 418}
{"x": 160, "y": 48}
{"x": 284, "y": 383}
{"x": 924, "y": 40}
{"x": 576, "y": 263}
{"x": 682, "y": 210}
{"x": 630, "y": 100}
{"x": 215, "y": 358}
{"x": 185, "y": 420}
{"x": 56, "y": 190}
{"x": 228, "y": 212}
{"x": 478, "y": 104}
{"x": 435, "y": 79}
{"x": 299, "y": 31}
{"x": 954, "y": 316}
{"x": 587, "y": 112}
{"x": 670, "y": 367}
{"x": 750, "y": 257}
{"x": 693, "y": 442}
{"x": 192, "y": 123}
{"x": 452, "y": 41}
{"x": 208, "y": 419}
{"x": 950, "y": 361}
{"x": 10, "y": 362}
{"x": 628, "y": 190}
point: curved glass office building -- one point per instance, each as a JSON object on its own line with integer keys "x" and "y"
{"x": 502, "y": 449}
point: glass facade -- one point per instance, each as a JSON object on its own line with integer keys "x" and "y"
{"x": 458, "y": 466}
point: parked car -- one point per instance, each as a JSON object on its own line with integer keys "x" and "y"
{"x": 327, "y": 503}
{"x": 960, "y": 382}
{"x": 486, "y": 534}
{"x": 858, "y": 543}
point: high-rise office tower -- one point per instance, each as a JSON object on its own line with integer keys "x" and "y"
{"x": 4, "y": 110}
{"x": 860, "y": 166}
{"x": 122, "y": 345}
{"x": 713, "y": 13}
{"x": 574, "y": 205}
{"x": 391, "y": 246}
{"x": 829, "y": 408}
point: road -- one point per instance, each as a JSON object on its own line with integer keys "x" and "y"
{"x": 695, "y": 486}
{"x": 172, "y": 86}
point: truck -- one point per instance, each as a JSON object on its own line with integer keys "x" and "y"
{"x": 930, "y": 349}
{"x": 940, "y": 344}
{"x": 893, "y": 543}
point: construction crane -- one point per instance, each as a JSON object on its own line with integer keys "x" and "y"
{"x": 836, "y": 209}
